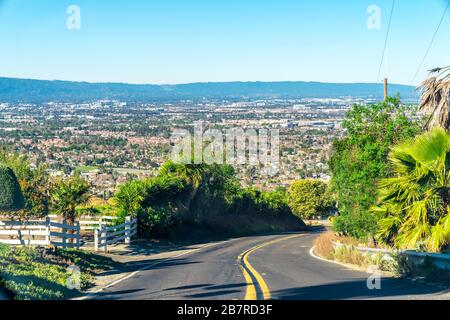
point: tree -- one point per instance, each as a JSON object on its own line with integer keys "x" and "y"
{"x": 11, "y": 198}
{"x": 435, "y": 98}
{"x": 36, "y": 191}
{"x": 129, "y": 196}
{"x": 306, "y": 198}
{"x": 192, "y": 174}
{"x": 414, "y": 204}
{"x": 359, "y": 159}
{"x": 34, "y": 184}
{"x": 67, "y": 194}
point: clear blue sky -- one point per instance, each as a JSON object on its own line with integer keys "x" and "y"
{"x": 180, "y": 41}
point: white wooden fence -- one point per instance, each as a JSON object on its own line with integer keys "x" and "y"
{"x": 52, "y": 231}
{"x": 40, "y": 232}
{"x": 90, "y": 223}
{"x": 105, "y": 236}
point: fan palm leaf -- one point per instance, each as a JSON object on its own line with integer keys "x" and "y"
{"x": 414, "y": 204}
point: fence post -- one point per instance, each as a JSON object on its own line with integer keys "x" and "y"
{"x": 47, "y": 231}
{"x": 78, "y": 235}
{"x": 104, "y": 241}
{"x": 63, "y": 232}
{"x": 127, "y": 229}
{"x": 96, "y": 239}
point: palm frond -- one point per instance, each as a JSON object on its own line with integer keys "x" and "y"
{"x": 435, "y": 98}
{"x": 413, "y": 204}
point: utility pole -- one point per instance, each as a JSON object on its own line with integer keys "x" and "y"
{"x": 385, "y": 89}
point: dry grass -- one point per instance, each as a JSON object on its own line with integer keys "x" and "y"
{"x": 349, "y": 255}
{"x": 324, "y": 245}
{"x": 324, "y": 248}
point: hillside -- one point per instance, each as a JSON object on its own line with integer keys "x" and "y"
{"x": 26, "y": 90}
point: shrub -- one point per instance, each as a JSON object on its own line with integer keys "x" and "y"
{"x": 11, "y": 197}
{"x": 306, "y": 198}
{"x": 41, "y": 274}
{"x": 356, "y": 224}
{"x": 34, "y": 184}
{"x": 158, "y": 221}
{"x": 359, "y": 159}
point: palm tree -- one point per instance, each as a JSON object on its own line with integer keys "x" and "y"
{"x": 193, "y": 174}
{"x": 67, "y": 195}
{"x": 129, "y": 196}
{"x": 414, "y": 205}
{"x": 435, "y": 98}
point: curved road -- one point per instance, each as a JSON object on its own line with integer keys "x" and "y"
{"x": 259, "y": 267}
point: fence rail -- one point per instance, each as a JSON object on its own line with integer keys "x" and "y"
{"x": 53, "y": 231}
{"x": 43, "y": 232}
{"x": 105, "y": 236}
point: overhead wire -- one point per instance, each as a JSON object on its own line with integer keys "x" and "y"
{"x": 431, "y": 43}
{"x": 383, "y": 55}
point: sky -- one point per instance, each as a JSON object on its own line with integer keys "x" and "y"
{"x": 184, "y": 41}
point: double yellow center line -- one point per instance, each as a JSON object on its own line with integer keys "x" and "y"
{"x": 257, "y": 288}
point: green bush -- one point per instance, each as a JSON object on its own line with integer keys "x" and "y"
{"x": 307, "y": 198}
{"x": 360, "y": 158}
{"x": 34, "y": 184}
{"x": 158, "y": 221}
{"x": 356, "y": 224}
{"x": 11, "y": 198}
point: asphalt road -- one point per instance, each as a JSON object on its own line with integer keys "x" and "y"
{"x": 260, "y": 267}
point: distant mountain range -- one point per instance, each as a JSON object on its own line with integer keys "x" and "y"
{"x": 35, "y": 91}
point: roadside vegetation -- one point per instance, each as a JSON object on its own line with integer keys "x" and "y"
{"x": 359, "y": 160}
{"x": 391, "y": 182}
{"x": 206, "y": 197}
{"x": 42, "y": 273}
{"x": 390, "y": 179}
{"x": 331, "y": 246}
{"x": 413, "y": 205}
{"x": 326, "y": 247}
{"x": 308, "y": 198}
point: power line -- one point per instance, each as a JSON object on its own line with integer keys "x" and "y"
{"x": 386, "y": 41}
{"x": 431, "y": 43}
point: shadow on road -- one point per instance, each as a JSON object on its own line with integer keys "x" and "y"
{"x": 115, "y": 294}
{"x": 151, "y": 264}
{"x": 356, "y": 289}
{"x": 210, "y": 290}
{"x": 197, "y": 291}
